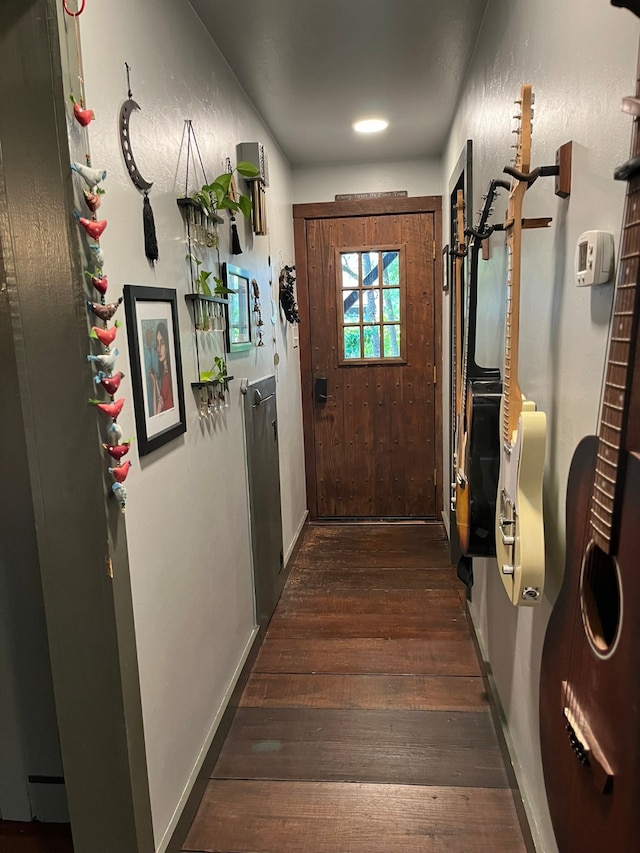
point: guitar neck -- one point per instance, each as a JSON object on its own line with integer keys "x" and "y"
{"x": 512, "y": 395}
{"x": 622, "y": 340}
{"x": 459, "y": 290}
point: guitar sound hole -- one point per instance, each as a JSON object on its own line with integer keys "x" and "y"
{"x": 601, "y": 600}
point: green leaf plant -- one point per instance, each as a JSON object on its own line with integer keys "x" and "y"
{"x": 217, "y": 196}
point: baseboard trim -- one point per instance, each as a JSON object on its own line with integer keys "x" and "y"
{"x": 194, "y": 790}
{"x": 189, "y": 803}
{"x": 296, "y": 539}
{"x": 525, "y": 813}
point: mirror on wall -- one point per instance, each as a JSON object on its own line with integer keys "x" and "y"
{"x": 237, "y": 282}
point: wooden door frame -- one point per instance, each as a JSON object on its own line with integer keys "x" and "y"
{"x": 303, "y": 213}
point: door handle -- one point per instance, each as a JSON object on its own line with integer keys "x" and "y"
{"x": 320, "y": 390}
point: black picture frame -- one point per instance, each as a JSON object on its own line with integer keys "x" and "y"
{"x": 156, "y": 365}
{"x": 238, "y": 308}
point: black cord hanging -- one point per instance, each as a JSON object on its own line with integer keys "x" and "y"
{"x": 148, "y": 222}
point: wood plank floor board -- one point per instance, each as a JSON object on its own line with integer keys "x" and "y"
{"x": 35, "y": 837}
{"x": 374, "y": 546}
{"x": 354, "y": 603}
{"x": 449, "y": 656}
{"x": 309, "y": 581}
{"x": 401, "y": 747}
{"x": 365, "y": 692}
{"x": 435, "y": 625}
{"x": 289, "y": 817}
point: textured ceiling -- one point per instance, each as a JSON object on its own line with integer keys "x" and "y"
{"x": 312, "y": 67}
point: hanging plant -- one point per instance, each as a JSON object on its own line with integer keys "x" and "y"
{"x": 218, "y": 195}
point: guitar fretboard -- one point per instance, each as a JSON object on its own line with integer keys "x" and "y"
{"x": 618, "y": 372}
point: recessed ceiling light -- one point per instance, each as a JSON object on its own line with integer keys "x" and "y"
{"x": 370, "y": 125}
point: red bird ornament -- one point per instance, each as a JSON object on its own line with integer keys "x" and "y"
{"x": 99, "y": 281}
{"x": 109, "y": 383}
{"x": 112, "y": 410}
{"x": 93, "y": 227}
{"x": 92, "y": 199}
{"x": 83, "y": 117}
{"x": 105, "y": 336}
{"x": 120, "y": 473}
{"x": 117, "y": 451}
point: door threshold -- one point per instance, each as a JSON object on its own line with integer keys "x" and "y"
{"x": 354, "y": 519}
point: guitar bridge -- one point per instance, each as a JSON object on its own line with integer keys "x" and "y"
{"x": 583, "y": 742}
{"x": 506, "y": 519}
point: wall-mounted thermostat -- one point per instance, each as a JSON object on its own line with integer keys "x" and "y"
{"x": 594, "y": 258}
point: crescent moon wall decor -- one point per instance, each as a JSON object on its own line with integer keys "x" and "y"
{"x": 148, "y": 222}
{"x": 125, "y": 142}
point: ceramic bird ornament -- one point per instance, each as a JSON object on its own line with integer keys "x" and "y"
{"x": 104, "y": 312}
{"x": 120, "y": 473}
{"x": 105, "y": 362}
{"x": 99, "y": 281}
{"x": 112, "y": 410}
{"x": 83, "y": 117}
{"x": 116, "y": 432}
{"x": 91, "y": 176}
{"x": 93, "y": 200}
{"x": 93, "y": 227}
{"x": 121, "y": 493}
{"x": 109, "y": 383}
{"x": 105, "y": 336}
{"x": 98, "y": 254}
{"x": 117, "y": 451}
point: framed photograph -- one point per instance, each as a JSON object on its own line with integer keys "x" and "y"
{"x": 156, "y": 366}
{"x": 238, "y": 281}
{"x": 445, "y": 268}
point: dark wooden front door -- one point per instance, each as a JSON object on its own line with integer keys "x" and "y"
{"x": 366, "y": 287}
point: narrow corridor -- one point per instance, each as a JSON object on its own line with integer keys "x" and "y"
{"x": 365, "y": 726}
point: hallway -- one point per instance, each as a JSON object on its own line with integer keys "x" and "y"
{"x": 364, "y": 726}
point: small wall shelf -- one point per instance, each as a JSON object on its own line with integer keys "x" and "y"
{"x": 212, "y": 382}
{"x": 200, "y": 297}
{"x": 186, "y": 203}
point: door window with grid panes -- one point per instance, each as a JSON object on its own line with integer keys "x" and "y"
{"x": 371, "y": 305}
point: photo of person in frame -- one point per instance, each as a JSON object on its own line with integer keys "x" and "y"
{"x": 157, "y": 366}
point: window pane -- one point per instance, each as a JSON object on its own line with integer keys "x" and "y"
{"x": 391, "y": 264}
{"x": 350, "y": 269}
{"x": 352, "y": 343}
{"x": 372, "y": 342}
{"x": 351, "y": 306}
{"x": 370, "y": 269}
{"x": 371, "y": 306}
{"x": 391, "y": 300}
{"x": 392, "y": 341}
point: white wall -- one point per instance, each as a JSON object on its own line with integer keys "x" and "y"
{"x": 322, "y": 183}
{"x": 187, "y": 512}
{"x": 581, "y": 59}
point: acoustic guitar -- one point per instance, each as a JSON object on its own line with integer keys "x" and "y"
{"x": 478, "y": 445}
{"x": 519, "y": 523}
{"x": 589, "y": 700}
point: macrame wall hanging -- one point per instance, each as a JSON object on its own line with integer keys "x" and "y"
{"x": 148, "y": 222}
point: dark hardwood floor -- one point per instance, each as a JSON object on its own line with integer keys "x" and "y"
{"x": 35, "y": 837}
{"x": 365, "y": 726}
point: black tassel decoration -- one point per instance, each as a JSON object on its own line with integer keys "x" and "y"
{"x": 149, "y": 225}
{"x": 236, "y": 248}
